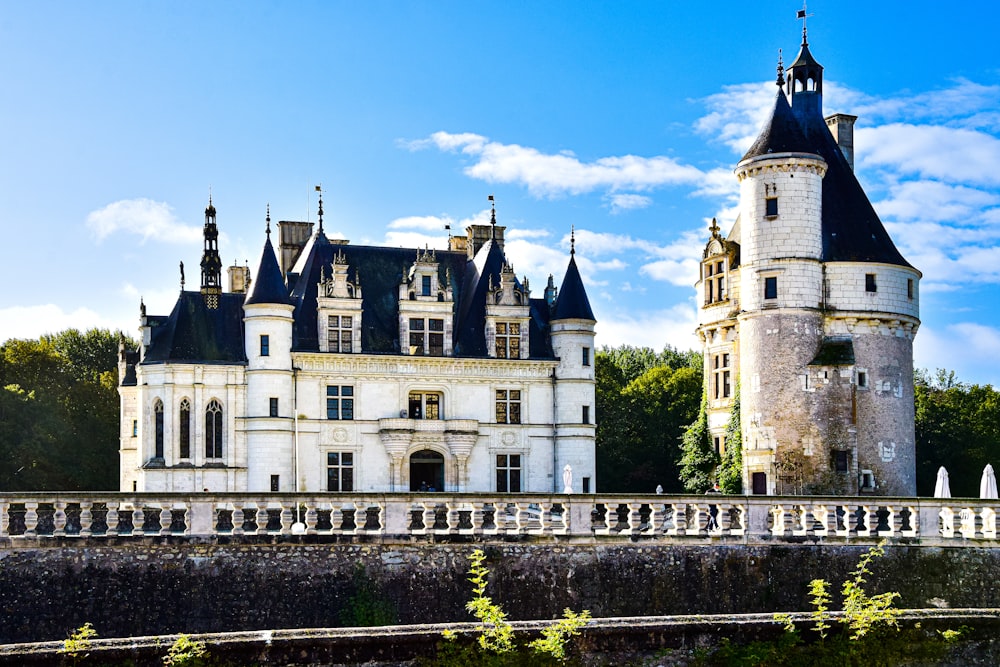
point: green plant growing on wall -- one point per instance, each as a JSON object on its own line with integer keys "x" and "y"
{"x": 186, "y": 652}
{"x": 556, "y": 637}
{"x": 698, "y": 459}
{"x": 730, "y": 475}
{"x": 77, "y": 645}
{"x": 495, "y": 634}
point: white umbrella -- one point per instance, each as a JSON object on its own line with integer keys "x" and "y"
{"x": 988, "y": 484}
{"x": 941, "y": 488}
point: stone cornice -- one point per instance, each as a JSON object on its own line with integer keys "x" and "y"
{"x": 412, "y": 366}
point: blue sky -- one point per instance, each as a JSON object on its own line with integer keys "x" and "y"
{"x": 623, "y": 119}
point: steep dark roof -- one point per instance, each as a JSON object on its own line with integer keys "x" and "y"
{"x": 781, "y": 133}
{"x": 195, "y": 333}
{"x": 572, "y": 302}
{"x": 380, "y": 271}
{"x": 269, "y": 287}
{"x": 852, "y": 231}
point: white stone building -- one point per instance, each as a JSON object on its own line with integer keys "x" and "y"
{"x": 354, "y": 368}
{"x": 810, "y": 308}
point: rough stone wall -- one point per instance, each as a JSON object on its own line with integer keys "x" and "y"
{"x": 161, "y": 587}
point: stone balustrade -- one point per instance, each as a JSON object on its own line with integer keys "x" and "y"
{"x": 572, "y": 518}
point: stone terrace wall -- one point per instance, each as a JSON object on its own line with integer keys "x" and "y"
{"x": 162, "y": 585}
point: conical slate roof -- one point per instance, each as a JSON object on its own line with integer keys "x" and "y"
{"x": 572, "y": 302}
{"x": 781, "y": 133}
{"x": 269, "y": 287}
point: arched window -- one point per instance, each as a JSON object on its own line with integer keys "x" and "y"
{"x": 184, "y": 430}
{"x": 213, "y": 430}
{"x": 158, "y": 418}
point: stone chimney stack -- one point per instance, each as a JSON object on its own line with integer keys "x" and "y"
{"x": 239, "y": 279}
{"x": 842, "y": 128}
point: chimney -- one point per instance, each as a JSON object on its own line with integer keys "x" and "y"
{"x": 842, "y": 128}
{"x": 480, "y": 234}
{"x": 292, "y": 237}
{"x": 239, "y": 279}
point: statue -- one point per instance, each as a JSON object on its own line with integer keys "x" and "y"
{"x": 568, "y": 479}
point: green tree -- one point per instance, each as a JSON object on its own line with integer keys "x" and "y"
{"x": 730, "y": 474}
{"x": 698, "y": 458}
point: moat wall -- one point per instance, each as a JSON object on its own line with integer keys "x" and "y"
{"x": 146, "y": 586}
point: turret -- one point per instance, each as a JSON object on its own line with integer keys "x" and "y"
{"x": 211, "y": 262}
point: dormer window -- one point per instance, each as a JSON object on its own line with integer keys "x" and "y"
{"x": 339, "y": 333}
{"x": 715, "y": 281}
{"x": 771, "y": 207}
{"x": 508, "y": 340}
{"x": 425, "y": 285}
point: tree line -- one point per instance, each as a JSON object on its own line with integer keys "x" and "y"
{"x": 59, "y": 420}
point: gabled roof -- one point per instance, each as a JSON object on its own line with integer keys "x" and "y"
{"x": 197, "y": 334}
{"x": 572, "y": 302}
{"x": 269, "y": 287}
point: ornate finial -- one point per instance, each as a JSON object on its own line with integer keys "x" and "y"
{"x": 493, "y": 218}
{"x": 182, "y": 276}
{"x": 714, "y": 227}
{"x": 572, "y": 240}
{"x": 801, "y": 14}
{"x": 267, "y": 227}
{"x": 781, "y": 70}
{"x": 142, "y": 307}
{"x": 319, "y": 189}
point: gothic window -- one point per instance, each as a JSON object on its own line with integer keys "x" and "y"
{"x": 339, "y": 471}
{"x": 771, "y": 207}
{"x": 508, "y": 473}
{"x": 265, "y": 345}
{"x": 508, "y": 340}
{"x": 339, "y": 333}
{"x": 771, "y": 287}
{"x": 213, "y": 430}
{"x": 184, "y": 430}
{"x": 721, "y": 376}
{"x": 870, "y": 285}
{"x": 508, "y": 405}
{"x": 340, "y": 402}
{"x": 424, "y": 405}
{"x": 158, "y": 418}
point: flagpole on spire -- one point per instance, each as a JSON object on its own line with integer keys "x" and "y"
{"x": 493, "y": 218}
{"x": 319, "y": 189}
{"x": 801, "y": 14}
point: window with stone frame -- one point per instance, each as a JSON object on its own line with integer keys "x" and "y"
{"x": 715, "y": 280}
{"x": 427, "y": 336}
{"x": 508, "y": 406}
{"x": 213, "y": 430}
{"x": 158, "y": 429}
{"x": 841, "y": 461}
{"x": 870, "y": 285}
{"x": 508, "y": 473}
{"x": 771, "y": 207}
{"x": 508, "y": 340}
{"x": 340, "y": 402}
{"x": 721, "y": 376}
{"x": 771, "y": 287}
{"x": 340, "y": 333}
{"x": 340, "y": 471}
{"x": 272, "y": 406}
{"x": 265, "y": 345}
{"x": 184, "y": 431}
{"x": 424, "y": 405}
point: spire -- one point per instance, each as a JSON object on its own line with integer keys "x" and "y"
{"x": 211, "y": 262}
{"x": 572, "y": 240}
{"x": 267, "y": 220}
{"x": 269, "y": 287}
{"x": 572, "y": 302}
{"x": 805, "y": 78}
{"x": 493, "y": 218}
{"x": 319, "y": 189}
{"x": 781, "y": 71}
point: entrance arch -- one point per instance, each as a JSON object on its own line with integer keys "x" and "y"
{"x": 426, "y": 471}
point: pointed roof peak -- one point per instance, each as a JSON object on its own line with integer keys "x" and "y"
{"x": 572, "y": 302}
{"x": 781, "y": 133}
{"x": 269, "y": 287}
{"x": 572, "y": 240}
{"x": 267, "y": 226}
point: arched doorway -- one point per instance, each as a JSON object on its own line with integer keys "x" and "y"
{"x": 426, "y": 471}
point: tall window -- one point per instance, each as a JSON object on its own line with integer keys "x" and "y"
{"x": 508, "y": 340}
{"x": 715, "y": 281}
{"x": 721, "y": 376}
{"x": 213, "y": 430}
{"x": 909, "y": 288}
{"x": 184, "y": 440}
{"x": 340, "y": 471}
{"x": 340, "y": 402}
{"x": 771, "y": 287}
{"x": 508, "y": 406}
{"x": 265, "y": 345}
{"x": 339, "y": 333}
{"x": 423, "y": 405}
{"x": 272, "y": 410}
{"x": 427, "y": 336}
{"x": 585, "y": 414}
{"x": 586, "y": 356}
{"x": 771, "y": 207}
{"x": 158, "y": 417}
{"x": 425, "y": 285}
{"x": 870, "y": 285}
{"x": 508, "y": 473}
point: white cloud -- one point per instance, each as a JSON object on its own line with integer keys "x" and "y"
{"x": 674, "y": 326}
{"x": 521, "y": 233}
{"x": 33, "y": 321}
{"x": 935, "y": 201}
{"x": 430, "y": 223}
{"x": 970, "y": 349}
{"x": 142, "y": 217}
{"x": 551, "y": 175}
{"x": 627, "y": 202}
{"x": 951, "y": 155}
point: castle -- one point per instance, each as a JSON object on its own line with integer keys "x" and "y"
{"x": 360, "y": 368}
{"x": 808, "y": 311}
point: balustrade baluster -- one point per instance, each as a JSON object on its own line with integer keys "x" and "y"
{"x": 360, "y": 517}
{"x": 680, "y": 519}
{"x": 778, "y": 520}
{"x": 238, "y": 518}
{"x": 311, "y": 517}
{"x": 821, "y": 515}
{"x": 914, "y": 521}
{"x": 112, "y": 518}
{"x": 30, "y": 518}
{"x": 138, "y": 520}
{"x": 450, "y": 517}
{"x": 500, "y": 518}
{"x": 4, "y": 519}
{"x": 262, "y": 518}
{"x": 893, "y": 522}
{"x": 286, "y": 517}
{"x": 166, "y": 518}
{"x": 947, "y": 523}
{"x": 989, "y": 517}
{"x": 478, "y": 517}
{"x": 610, "y": 519}
{"x": 634, "y": 518}
{"x": 59, "y": 518}
{"x": 86, "y": 518}
{"x": 429, "y": 516}
{"x": 740, "y": 527}
{"x": 657, "y": 518}
{"x": 381, "y": 516}
{"x": 867, "y": 521}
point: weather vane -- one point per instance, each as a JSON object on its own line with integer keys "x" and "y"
{"x": 801, "y": 14}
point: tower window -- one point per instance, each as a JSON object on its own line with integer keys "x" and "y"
{"x": 586, "y": 356}
{"x": 585, "y": 417}
{"x": 273, "y": 406}
{"x": 771, "y": 287}
{"x": 158, "y": 419}
{"x": 184, "y": 432}
{"x": 771, "y": 207}
{"x": 721, "y": 375}
{"x": 870, "y": 285}
{"x": 265, "y": 345}
{"x": 909, "y": 288}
